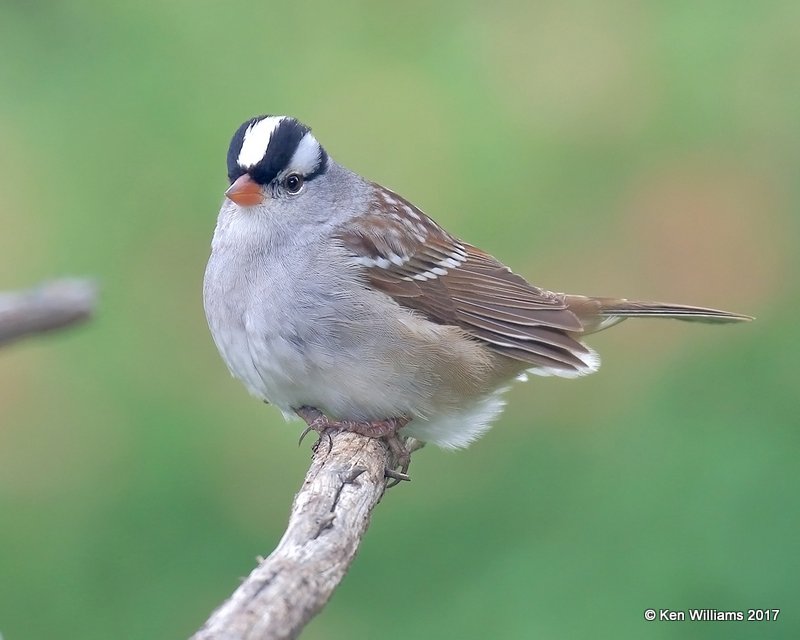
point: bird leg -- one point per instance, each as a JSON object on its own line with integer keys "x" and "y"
{"x": 386, "y": 429}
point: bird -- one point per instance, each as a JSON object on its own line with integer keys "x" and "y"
{"x": 340, "y": 302}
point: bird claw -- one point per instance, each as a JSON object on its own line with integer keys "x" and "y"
{"x": 384, "y": 429}
{"x": 396, "y": 476}
{"x": 303, "y": 435}
{"x": 316, "y": 421}
{"x": 402, "y": 455}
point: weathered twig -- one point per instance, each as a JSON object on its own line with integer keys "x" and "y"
{"x": 52, "y": 305}
{"x": 329, "y": 516}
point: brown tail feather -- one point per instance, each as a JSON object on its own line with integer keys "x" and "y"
{"x": 601, "y": 313}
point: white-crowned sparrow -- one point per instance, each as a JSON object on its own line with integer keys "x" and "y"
{"x": 336, "y": 299}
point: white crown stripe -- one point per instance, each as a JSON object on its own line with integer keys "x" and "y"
{"x": 256, "y": 140}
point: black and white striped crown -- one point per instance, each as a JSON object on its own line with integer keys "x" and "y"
{"x": 266, "y": 146}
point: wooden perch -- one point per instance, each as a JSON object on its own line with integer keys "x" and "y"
{"x": 329, "y": 516}
{"x": 50, "y": 306}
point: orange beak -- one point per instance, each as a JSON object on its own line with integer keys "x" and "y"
{"x": 245, "y": 192}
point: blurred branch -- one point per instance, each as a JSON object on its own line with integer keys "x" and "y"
{"x": 50, "y": 306}
{"x": 329, "y": 516}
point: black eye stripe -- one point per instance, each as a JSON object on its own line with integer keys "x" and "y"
{"x": 322, "y": 166}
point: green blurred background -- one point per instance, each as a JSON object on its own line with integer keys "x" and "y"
{"x": 642, "y": 149}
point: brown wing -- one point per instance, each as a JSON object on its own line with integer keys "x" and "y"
{"x": 409, "y": 257}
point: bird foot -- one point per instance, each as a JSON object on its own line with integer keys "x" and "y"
{"x": 385, "y": 429}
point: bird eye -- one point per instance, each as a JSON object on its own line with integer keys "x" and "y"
{"x": 293, "y": 183}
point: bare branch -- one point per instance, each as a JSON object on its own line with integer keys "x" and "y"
{"x": 52, "y": 305}
{"x": 329, "y": 516}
